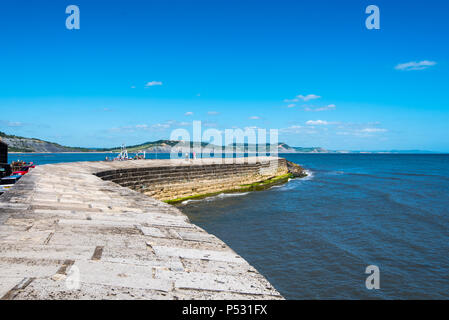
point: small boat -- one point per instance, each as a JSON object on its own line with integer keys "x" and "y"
{"x": 140, "y": 155}
{"x": 21, "y": 166}
{"x": 8, "y": 182}
{"x": 24, "y": 169}
{"x": 123, "y": 155}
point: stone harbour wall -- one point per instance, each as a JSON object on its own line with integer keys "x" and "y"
{"x": 190, "y": 179}
{"x": 65, "y": 233}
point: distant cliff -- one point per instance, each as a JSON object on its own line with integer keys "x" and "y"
{"x": 167, "y": 146}
{"x": 285, "y": 148}
{"x": 22, "y": 144}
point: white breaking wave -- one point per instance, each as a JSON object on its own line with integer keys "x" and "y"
{"x": 219, "y": 196}
{"x": 226, "y": 195}
{"x": 293, "y": 182}
{"x": 237, "y": 194}
{"x": 309, "y": 175}
{"x": 188, "y": 201}
{"x": 277, "y": 186}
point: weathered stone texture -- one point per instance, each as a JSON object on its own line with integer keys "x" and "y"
{"x": 61, "y": 218}
{"x": 186, "y": 179}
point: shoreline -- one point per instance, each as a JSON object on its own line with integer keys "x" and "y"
{"x": 66, "y": 152}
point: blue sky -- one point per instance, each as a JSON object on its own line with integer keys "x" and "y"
{"x": 136, "y": 70}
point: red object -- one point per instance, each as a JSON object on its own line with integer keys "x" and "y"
{"x": 24, "y": 170}
{"x": 20, "y": 173}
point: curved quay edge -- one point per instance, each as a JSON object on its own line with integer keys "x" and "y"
{"x": 67, "y": 234}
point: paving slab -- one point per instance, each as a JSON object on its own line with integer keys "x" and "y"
{"x": 67, "y": 234}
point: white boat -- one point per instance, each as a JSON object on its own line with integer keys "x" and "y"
{"x": 7, "y": 183}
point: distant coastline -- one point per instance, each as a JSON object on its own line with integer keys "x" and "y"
{"x": 67, "y": 152}
{"x": 23, "y": 145}
{"x": 318, "y": 153}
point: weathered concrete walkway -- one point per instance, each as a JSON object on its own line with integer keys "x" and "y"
{"x": 61, "y": 218}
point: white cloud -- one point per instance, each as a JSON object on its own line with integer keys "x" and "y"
{"x": 291, "y": 100}
{"x": 317, "y": 109}
{"x": 157, "y": 126}
{"x": 291, "y": 129}
{"x": 123, "y": 129}
{"x": 328, "y": 107}
{"x": 212, "y": 113}
{"x": 154, "y": 127}
{"x": 362, "y": 132}
{"x": 14, "y": 123}
{"x": 189, "y": 113}
{"x": 317, "y": 123}
{"x": 17, "y": 124}
{"x": 308, "y": 97}
{"x": 299, "y": 130}
{"x": 254, "y": 118}
{"x": 153, "y": 83}
{"x": 413, "y": 65}
{"x": 291, "y": 105}
{"x": 370, "y": 130}
{"x": 209, "y": 124}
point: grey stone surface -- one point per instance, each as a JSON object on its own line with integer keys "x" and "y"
{"x": 67, "y": 234}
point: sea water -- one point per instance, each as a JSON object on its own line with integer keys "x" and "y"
{"x": 313, "y": 238}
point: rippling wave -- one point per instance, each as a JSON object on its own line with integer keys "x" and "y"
{"x": 313, "y": 237}
{"x": 217, "y": 197}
